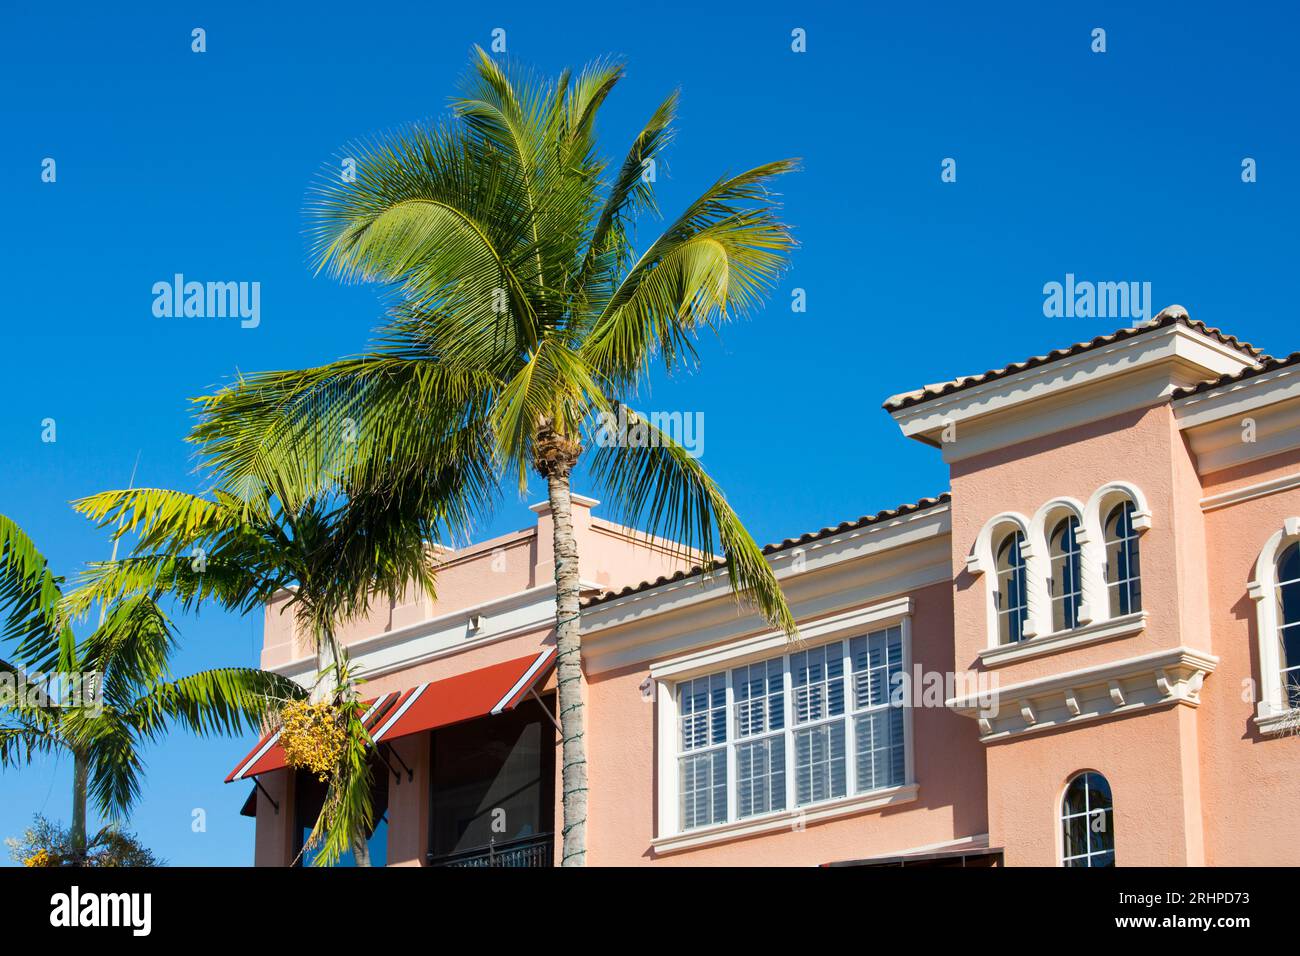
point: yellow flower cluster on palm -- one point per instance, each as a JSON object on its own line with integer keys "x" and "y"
{"x": 313, "y": 736}
{"x": 39, "y": 858}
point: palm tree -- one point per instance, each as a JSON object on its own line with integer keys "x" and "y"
{"x": 522, "y": 321}
{"x": 101, "y": 698}
{"x": 238, "y": 551}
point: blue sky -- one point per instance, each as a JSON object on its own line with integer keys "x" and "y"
{"x": 1115, "y": 166}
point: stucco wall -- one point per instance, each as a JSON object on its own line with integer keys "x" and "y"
{"x": 1144, "y": 757}
{"x": 949, "y": 768}
{"x": 1250, "y": 782}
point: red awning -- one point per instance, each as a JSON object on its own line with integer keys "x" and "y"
{"x": 489, "y": 690}
{"x": 268, "y": 755}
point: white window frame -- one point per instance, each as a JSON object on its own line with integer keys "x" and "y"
{"x": 1271, "y": 713}
{"x": 1095, "y": 622}
{"x": 1062, "y": 817}
{"x": 837, "y": 629}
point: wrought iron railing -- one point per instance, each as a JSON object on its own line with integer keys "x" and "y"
{"x": 534, "y": 851}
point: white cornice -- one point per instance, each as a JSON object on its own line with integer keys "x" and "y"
{"x": 819, "y": 578}
{"x": 1250, "y": 492}
{"x": 1132, "y": 373}
{"x": 1161, "y": 678}
{"x": 1241, "y": 432}
{"x": 1237, "y": 398}
{"x": 442, "y": 636}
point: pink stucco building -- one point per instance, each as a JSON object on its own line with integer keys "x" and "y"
{"x": 1085, "y": 653}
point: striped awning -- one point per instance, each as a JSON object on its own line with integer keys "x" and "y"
{"x": 479, "y": 693}
{"x": 488, "y": 690}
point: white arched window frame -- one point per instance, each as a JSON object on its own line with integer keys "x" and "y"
{"x": 1104, "y": 500}
{"x": 1046, "y": 520}
{"x": 983, "y": 561}
{"x": 1263, "y": 590}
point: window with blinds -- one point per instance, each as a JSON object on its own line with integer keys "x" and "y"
{"x": 792, "y": 731}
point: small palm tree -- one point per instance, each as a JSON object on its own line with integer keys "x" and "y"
{"x": 523, "y": 321}
{"x": 101, "y": 698}
{"x": 239, "y": 551}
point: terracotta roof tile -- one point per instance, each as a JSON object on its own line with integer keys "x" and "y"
{"x": 1167, "y": 317}
{"x": 865, "y": 521}
{"x": 1266, "y": 364}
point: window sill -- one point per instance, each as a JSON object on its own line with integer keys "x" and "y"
{"x": 786, "y": 820}
{"x": 1282, "y": 722}
{"x": 1124, "y": 626}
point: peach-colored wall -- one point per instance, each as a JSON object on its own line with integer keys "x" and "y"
{"x": 623, "y": 779}
{"x": 273, "y": 845}
{"x": 1250, "y": 782}
{"x": 1151, "y": 756}
{"x": 1143, "y": 757}
{"x": 1142, "y": 448}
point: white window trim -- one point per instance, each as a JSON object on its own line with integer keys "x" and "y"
{"x": 841, "y": 627}
{"x": 1060, "y": 818}
{"x": 1271, "y": 713}
{"x": 1094, "y": 610}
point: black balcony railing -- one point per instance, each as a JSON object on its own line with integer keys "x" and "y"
{"x": 535, "y": 851}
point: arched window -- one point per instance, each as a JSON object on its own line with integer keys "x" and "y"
{"x": 1012, "y": 595}
{"x": 1123, "y": 570}
{"x": 1288, "y": 624}
{"x": 1087, "y": 822}
{"x": 1067, "y": 579}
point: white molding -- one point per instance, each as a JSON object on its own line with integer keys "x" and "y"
{"x": 1263, "y": 591}
{"x": 1250, "y": 492}
{"x": 1094, "y": 608}
{"x": 1125, "y": 626}
{"x": 668, "y": 674}
{"x": 763, "y": 646}
{"x": 1161, "y": 678}
{"x": 1134, "y": 372}
{"x": 1237, "y": 398}
{"x": 1219, "y": 444}
{"x": 1288, "y": 721}
{"x": 577, "y": 499}
{"x": 861, "y": 567}
{"x": 786, "y": 819}
{"x": 505, "y": 617}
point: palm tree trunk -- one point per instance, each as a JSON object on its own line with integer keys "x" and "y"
{"x": 80, "y": 782}
{"x": 361, "y": 852}
{"x": 568, "y": 643}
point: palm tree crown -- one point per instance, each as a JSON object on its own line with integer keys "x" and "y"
{"x": 113, "y": 691}
{"x": 522, "y": 318}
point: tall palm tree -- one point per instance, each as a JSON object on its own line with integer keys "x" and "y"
{"x": 523, "y": 320}
{"x": 103, "y": 697}
{"x": 333, "y": 556}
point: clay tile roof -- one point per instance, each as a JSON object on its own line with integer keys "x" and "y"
{"x": 1172, "y": 315}
{"x": 1266, "y": 364}
{"x": 863, "y": 522}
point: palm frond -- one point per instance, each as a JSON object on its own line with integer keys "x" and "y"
{"x": 716, "y": 260}
{"x": 657, "y": 486}
{"x": 30, "y": 595}
{"x": 226, "y": 700}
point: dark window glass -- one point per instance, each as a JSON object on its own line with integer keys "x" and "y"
{"x": 493, "y": 780}
{"x": 1066, "y": 582}
{"x": 1011, "y": 598}
{"x": 1088, "y": 822}
{"x": 1123, "y": 564}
